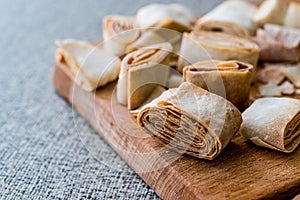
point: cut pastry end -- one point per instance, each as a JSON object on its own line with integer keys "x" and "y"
{"x": 229, "y": 79}
{"x": 203, "y": 45}
{"x": 141, "y": 71}
{"x": 191, "y": 120}
{"x": 233, "y": 17}
{"x": 119, "y": 32}
{"x": 280, "y": 131}
{"x": 123, "y": 28}
{"x": 230, "y": 28}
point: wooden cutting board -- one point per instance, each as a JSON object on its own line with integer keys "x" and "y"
{"x": 241, "y": 171}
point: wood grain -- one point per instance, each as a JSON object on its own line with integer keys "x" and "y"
{"x": 241, "y": 171}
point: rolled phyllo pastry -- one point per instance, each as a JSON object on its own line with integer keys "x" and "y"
{"x": 151, "y": 36}
{"x": 273, "y": 123}
{"x": 271, "y": 11}
{"x": 233, "y": 17}
{"x": 278, "y": 43}
{"x": 230, "y": 79}
{"x": 141, "y": 71}
{"x": 171, "y": 16}
{"x": 190, "y": 120}
{"x": 119, "y": 32}
{"x": 293, "y": 15}
{"x": 90, "y": 66}
{"x": 202, "y": 46}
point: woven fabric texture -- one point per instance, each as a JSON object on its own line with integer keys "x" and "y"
{"x": 47, "y": 151}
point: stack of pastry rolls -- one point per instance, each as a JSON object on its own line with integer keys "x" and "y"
{"x": 188, "y": 78}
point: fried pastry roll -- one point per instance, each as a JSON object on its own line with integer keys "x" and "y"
{"x": 190, "y": 120}
{"x": 118, "y": 32}
{"x": 202, "y": 46}
{"x": 273, "y": 123}
{"x": 233, "y": 17}
{"x": 91, "y": 66}
{"x": 141, "y": 71}
{"x": 230, "y": 79}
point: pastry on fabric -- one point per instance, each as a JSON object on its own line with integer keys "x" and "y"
{"x": 278, "y": 43}
{"x": 191, "y": 120}
{"x": 230, "y": 79}
{"x": 271, "y": 11}
{"x": 141, "y": 71}
{"x": 273, "y": 123}
{"x": 233, "y": 17}
{"x": 91, "y": 66}
{"x": 293, "y": 15}
{"x": 118, "y": 32}
{"x": 171, "y": 16}
{"x": 203, "y": 45}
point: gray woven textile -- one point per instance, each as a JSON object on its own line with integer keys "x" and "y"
{"x": 47, "y": 150}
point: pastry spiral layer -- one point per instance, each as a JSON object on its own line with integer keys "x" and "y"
{"x": 230, "y": 79}
{"x": 141, "y": 71}
{"x": 118, "y": 32}
{"x": 191, "y": 120}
